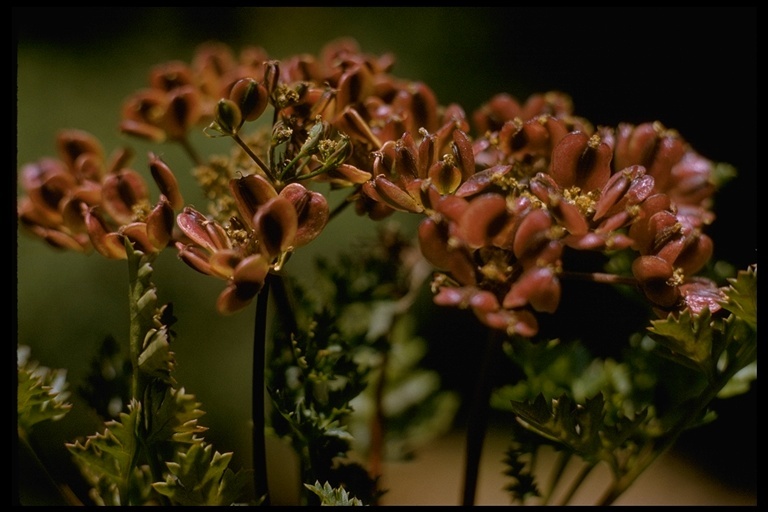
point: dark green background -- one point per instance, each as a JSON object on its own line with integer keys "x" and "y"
{"x": 693, "y": 69}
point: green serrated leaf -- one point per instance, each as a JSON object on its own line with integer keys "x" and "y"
{"x": 742, "y": 296}
{"x": 686, "y": 337}
{"x": 330, "y": 496}
{"x": 200, "y": 476}
{"x": 156, "y": 358}
{"x": 106, "y": 459}
{"x": 173, "y": 414}
{"x": 581, "y": 429}
{"x": 41, "y": 393}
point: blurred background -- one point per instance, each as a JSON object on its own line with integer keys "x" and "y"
{"x": 693, "y": 69}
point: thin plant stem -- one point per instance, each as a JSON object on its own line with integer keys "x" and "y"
{"x": 254, "y": 156}
{"x": 258, "y": 400}
{"x": 478, "y": 418}
{"x": 576, "y": 483}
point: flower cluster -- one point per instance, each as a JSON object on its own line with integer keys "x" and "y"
{"x": 82, "y": 200}
{"x": 501, "y": 209}
{"x": 501, "y": 206}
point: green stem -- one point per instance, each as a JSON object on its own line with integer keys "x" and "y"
{"x": 258, "y": 401}
{"x": 254, "y": 157}
{"x": 478, "y": 418}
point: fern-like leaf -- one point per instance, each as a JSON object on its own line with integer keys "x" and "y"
{"x": 688, "y": 339}
{"x": 106, "y": 459}
{"x": 742, "y": 296}
{"x": 172, "y": 415}
{"x": 41, "y": 393}
{"x": 150, "y": 333}
{"x": 330, "y": 496}
{"x": 201, "y": 476}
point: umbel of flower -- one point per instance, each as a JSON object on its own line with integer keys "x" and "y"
{"x": 81, "y": 201}
{"x": 269, "y": 227}
{"x": 183, "y": 96}
{"x": 502, "y": 209}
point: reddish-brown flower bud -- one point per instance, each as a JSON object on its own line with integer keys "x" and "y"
{"x": 355, "y": 84}
{"x": 652, "y": 146}
{"x": 582, "y": 161}
{"x": 311, "y": 210}
{"x": 88, "y": 167}
{"x": 121, "y": 192}
{"x": 182, "y": 111}
{"x": 276, "y": 223}
{"x": 427, "y": 154}
{"x": 201, "y": 230}
{"x": 142, "y": 130}
{"x": 495, "y": 112}
{"x": 463, "y": 152}
{"x": 160, "y": 224}
{"x": 223, "y": 262}
{"x": 247, "y": 281}
{"x": 346, "y": 175}
{"x": 105, "y": 241}
{"x": 170, "y": 75}
{"x": 251, "y": 97}
{"x": 250, "y": 193}
{"x": 532, "y": 234}
{"x": 196, "y": 257}
{"x": 654, "y": 274}
{"x": 142, "y": 115}
{"x": 447, "y": 178}
{"x": 483, "y": 219}
{"x": 436, "y": 247}
{"x": 355, "y": 126}
{"x": 381, "y": 189}
{"x": 537, "y": 286}
{"x": 136, "y": 232}
{"x": 71, "y": 144}
{"x": 696, "y": 253}
{"x": 420, "y": 104}
{"x": 482, "y": 181}
{"x": 48, "y": 195}
{"x": 615, "y": 189}
{"x": 166, "y": 181}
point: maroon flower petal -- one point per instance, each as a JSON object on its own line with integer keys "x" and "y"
{"x": 311, "y": 209}
{"x": 166, "y": 181}
{"x": 276, "y": 223}
{"x": 538, "y": 287}
{"x": 250, "y": 193}
{"x": 483, "y": 219}
{"x": 105, "y": 241}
